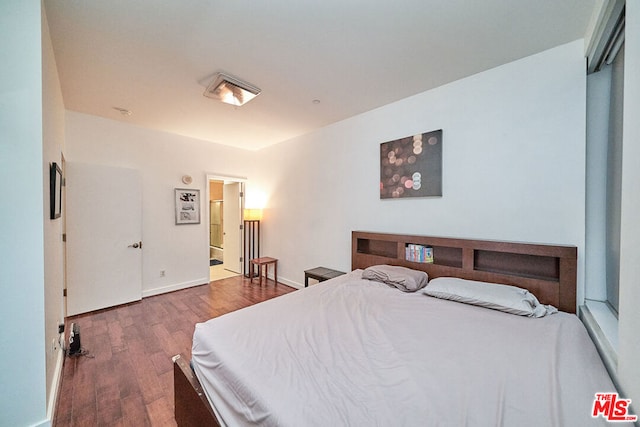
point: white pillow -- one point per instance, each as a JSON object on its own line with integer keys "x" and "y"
{"x": 509, "y": 299}
{"x": 405, "y": 279}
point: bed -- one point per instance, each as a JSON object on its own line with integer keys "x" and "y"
{"x": 356, "y": 351}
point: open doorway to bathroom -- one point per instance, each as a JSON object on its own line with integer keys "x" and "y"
{"x": 224, "y": 220}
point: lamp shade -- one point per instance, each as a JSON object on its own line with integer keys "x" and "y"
{"x": 252, "y": 214}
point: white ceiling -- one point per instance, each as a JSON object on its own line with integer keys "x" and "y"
{"x": 155, "y": 57}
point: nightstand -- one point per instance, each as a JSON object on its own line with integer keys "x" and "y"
{"x": 320, "y": 274}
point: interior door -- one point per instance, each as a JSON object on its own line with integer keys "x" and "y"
{"x": 104, "y": 236}
{"x": 231, "y": 226}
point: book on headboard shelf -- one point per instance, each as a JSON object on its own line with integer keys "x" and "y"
{"x": 418, "y": 253}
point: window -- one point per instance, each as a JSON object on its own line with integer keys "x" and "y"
{"x": 605, "y": 90}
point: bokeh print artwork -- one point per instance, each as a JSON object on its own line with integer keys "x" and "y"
{"x": 411, "y": 166}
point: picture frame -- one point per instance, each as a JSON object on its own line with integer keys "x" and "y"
{"x": 187, "y": 206}
{"x": 55, "y": 190}
{"x": 412, "y": 166}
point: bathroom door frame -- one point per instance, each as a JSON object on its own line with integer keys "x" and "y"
{"x": 225, "y": 179}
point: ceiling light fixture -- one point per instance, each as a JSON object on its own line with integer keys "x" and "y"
{"x": 231, "y": 90}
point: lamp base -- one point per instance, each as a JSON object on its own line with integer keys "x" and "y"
{"x": 251, "y": 246}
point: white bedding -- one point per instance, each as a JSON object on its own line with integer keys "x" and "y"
{"x": 355, "y": 352}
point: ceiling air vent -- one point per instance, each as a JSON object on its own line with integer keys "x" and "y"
{"x": 231, "y": 90}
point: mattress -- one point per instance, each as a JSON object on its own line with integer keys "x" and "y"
{"x": 355, "y": 352}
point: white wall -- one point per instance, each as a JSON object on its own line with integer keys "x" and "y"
{"x": 162, "y": 159}
{"x": 22, "y": 376}
{"x": 52, "y": 147}
{"x": 513, "y": 160}
{"x": 629, "y": 315}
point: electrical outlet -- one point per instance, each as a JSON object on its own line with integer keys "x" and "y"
{"x": 54, "y": 345}
{"x": 162, "y": 273}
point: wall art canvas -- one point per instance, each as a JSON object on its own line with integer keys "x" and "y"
{"x": 411, "y": 166}
{"x": 187, "y": 206}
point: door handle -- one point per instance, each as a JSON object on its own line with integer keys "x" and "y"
{"x": 136, "y": 245}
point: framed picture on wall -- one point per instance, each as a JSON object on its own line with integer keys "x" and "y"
{"x": 412, "y": 166}
{"x": 187, "y": 206}
{"x": 55, "y": 190}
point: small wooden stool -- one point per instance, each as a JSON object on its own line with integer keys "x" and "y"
{"x": 264, "y": 261}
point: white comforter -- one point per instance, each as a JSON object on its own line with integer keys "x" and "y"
{"x": 351, "y": 352}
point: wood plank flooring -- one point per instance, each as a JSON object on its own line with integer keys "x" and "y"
{"x": 126, "y": 379}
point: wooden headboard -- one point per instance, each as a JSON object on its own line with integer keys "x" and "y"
{"x": 548, "y": 271}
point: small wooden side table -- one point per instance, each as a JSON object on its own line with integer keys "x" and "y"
{"x": 265, "y": 260}
{"x": 320, "y": 274}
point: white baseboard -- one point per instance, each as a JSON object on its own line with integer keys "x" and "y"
{"x": 56, "y": 382}
{"x": 287, "y": 282}
{"x": 284, "y": 281}
{"x": 174, "y": 287}
{"x": 204, "y": 281}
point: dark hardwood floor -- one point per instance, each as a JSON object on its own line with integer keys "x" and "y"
{"x": 126, "y": 379}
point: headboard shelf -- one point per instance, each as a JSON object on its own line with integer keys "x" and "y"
{"x": 384, "y": 248}
{"x": 447, "y": 256}
{"x": 537, "y": 266}
{"x": 549, "y": 271}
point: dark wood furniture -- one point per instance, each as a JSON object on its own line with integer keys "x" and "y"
{"x": 548, "y": 271}
{"x": 320, "y": 274}
{"x": 192, "y": 409}
{"x": 264, "y": 261}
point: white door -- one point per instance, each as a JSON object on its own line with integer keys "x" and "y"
{"x": 104, "y": 236}
{"x": 231, "y": 228}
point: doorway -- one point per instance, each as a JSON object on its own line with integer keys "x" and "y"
{"x": 224, "y": 220}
